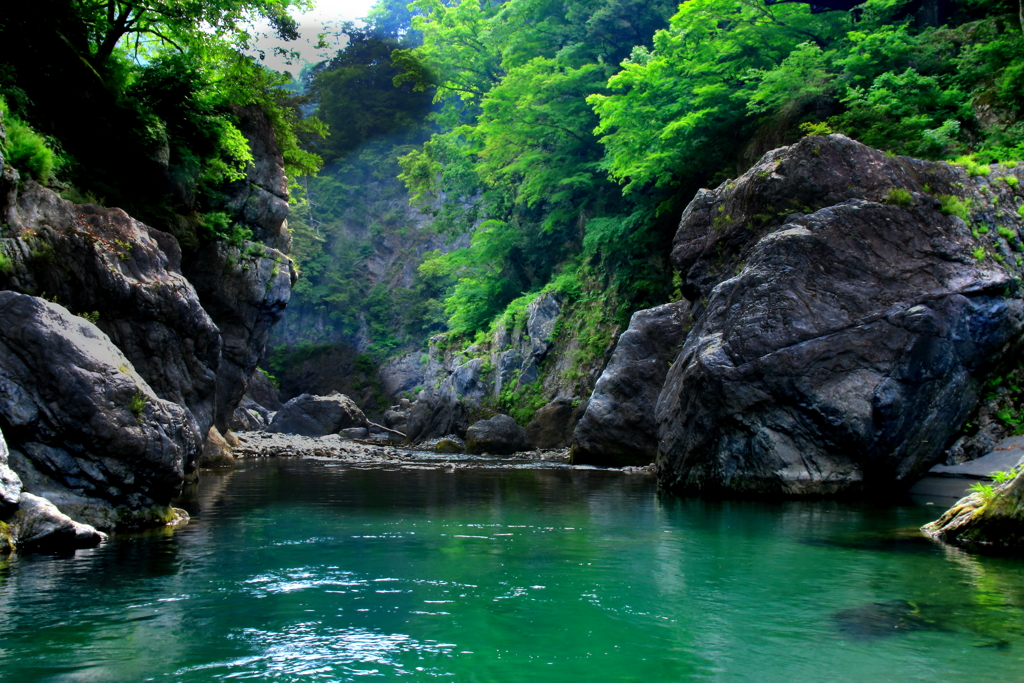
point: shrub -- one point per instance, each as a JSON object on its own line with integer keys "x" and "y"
{"x": 898, "y": 197}
{"x": 971, "y": 165}
{"x": 93, "y": 317}
{"x": 954, "y": 206}
{"x": 979, "y": 253}
{"x": 28, "y": 152}
{"x": 1005, "y": 232}
{"x": 810, "y": 128}
{"x": 1009, "y": 180}
{"x": 6, "y": 263}
{"x": 138, "y": 402}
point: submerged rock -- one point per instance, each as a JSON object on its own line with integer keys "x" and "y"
{"x": 309, "y": 415}
{"x": 499, "y": 435}
{"x": 842, "y": 330}
{"x": 619, "y": 426}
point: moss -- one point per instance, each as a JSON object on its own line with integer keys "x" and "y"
{"x": 448, "y": 446}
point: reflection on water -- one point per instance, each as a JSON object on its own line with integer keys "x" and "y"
{"x": 304, "y": 571}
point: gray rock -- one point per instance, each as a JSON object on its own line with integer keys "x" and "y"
{"x": 245, "y": 291}
{"x": 842, "y": 350}
{"x": 355, "y": 432}
{"x": 10, "y": 483}
{"x": 40, "y": 525}
{"x": 249, "y": 416}
{"x": 262, "y": 391}
{"x": 499, "y": 435}
{"x": 310, "y": 415}
{"x": 552, "y": 426}
{"x": 542, "y": 313}
{"x": 91, "y": 258}
{"x": 80, "y": 412}
{"x": 619, "y": 427}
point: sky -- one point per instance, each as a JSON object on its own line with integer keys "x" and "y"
{"x": 323, "y": 18}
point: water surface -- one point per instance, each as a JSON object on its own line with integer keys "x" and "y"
{"x": 298, "y": 570}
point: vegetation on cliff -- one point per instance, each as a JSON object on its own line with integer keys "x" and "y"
{"x": 139, "y": 104}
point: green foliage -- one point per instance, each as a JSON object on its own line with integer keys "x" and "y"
{"x": 954, "y": 206}
{"x": 979, "y": 253}
{"x": 93, "y": 317}
{"x": 898, "y": 197}
{"x": 971, "y": 165}
{"x": 1006, "y": 233}
{"x": 1010, "y": 180}
{"x": 6, "y": 264}
{"x": 26, "y": 149}
{"x": 986, "y": 491}
{"x": 815, "y": 128}
{"x": 137, "y": 403}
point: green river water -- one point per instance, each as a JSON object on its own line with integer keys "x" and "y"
{"x": 299, "y": 570}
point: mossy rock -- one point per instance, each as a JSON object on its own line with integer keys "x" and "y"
{"x": 449, "y": 446}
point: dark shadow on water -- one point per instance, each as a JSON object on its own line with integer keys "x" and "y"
{"x": 906, "y": 541}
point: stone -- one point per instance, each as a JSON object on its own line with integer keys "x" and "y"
{"x": 216, "y": 451}
{"x": 619, "y": 426}
{"x": 499, "y": 435}
{"x": 839, "y": 349}
{"x": 449, "y": 446}
{"x": 553, "y": 424}
{"x": 10, "y": 482}
{"x": 245, "y": 290}
{"x": 542, "y": 314}
{"x": 82, "y": 415}
{"x": 355, "y": 433}
{"x": 94, "y": 259}
{"x": 262, "y": 391}
{"x": 41, "y": 526}
{"x": 309, "y": 415}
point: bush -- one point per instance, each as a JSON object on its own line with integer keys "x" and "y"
{"x": 954, "y": 206}
{"x": 27, "y": 151}
{"x": 898, "y": 197}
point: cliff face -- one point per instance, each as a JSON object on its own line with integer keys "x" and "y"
{"x": 174, "y": 343}
{"x": 844, "y": 321}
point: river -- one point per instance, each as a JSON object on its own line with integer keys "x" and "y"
{"x": 306, "y": 570}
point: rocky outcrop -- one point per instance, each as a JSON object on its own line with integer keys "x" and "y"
{"x": 552, "y": 426}
{"x": 258, "y": 405}
{"x": 103, "y": 262}
{"x": 845, "y": 319}
{"x": 41, "y": 526}
{"x": 217, "y": 452}
{"x": 86, "y": 429}
{"x": 259, "y": 202}
{"x": 499, "y": 435}
{"x": 245, "y": 291}
{"x": 309, "y": 415}
{"x": 619, "y": 426}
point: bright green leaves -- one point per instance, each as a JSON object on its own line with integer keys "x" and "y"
{"x": 534, "y": 133}
{"x": 802, "y": 76}
{"x": 679, "y": 109}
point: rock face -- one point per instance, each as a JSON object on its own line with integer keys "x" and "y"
{"x": 553, "y": 425}
{"x": 619, "y": 427}
{"x": 90, "y": 258}
{"x": 499, "y": 435}
{"x": 844, "y": 321}
{"x": 85, "y": 423}
{"x": 309, "y": 415}
{"x": 245, "y": 291}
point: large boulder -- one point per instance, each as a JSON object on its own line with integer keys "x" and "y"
{"x": 499, "y": 435}
{"x": 619, "y": 427}
{"x": 553, "y": 424}
{"x": 10, "y": 482}
{"x": 41, "y": 526}
{"x": 84, "y": 421}
{"x": 844, "y": 324}
{"x": 309, "y": 415}
{"x": 94, "y": 259}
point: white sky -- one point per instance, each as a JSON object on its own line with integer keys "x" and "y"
{"x": 324, "y": 18}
